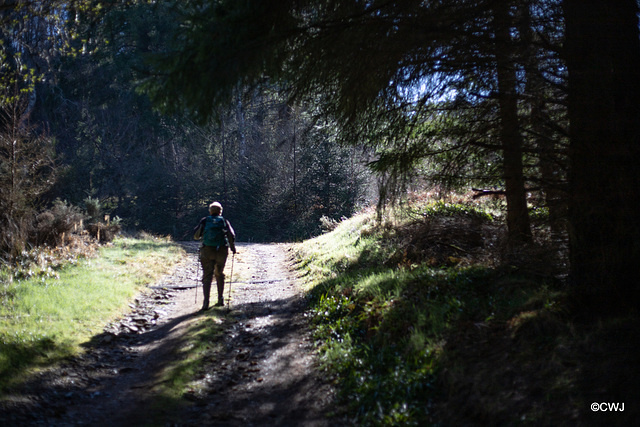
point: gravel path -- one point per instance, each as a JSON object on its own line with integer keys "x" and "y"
{"x": 263, "y": 375}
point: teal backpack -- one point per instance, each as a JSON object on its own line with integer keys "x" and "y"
{"x": 215, "y": 231}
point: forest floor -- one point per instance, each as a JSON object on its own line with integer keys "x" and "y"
{"x": 263, "y": 374}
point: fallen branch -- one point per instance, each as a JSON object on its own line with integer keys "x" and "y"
{"x": 482, "y": 193}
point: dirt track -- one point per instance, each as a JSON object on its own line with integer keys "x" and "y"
{"x": 264, "y": 374}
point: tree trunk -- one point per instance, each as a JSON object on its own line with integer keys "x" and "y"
{"x": 518, "y": 225}
{"x": 294, "y": 120}
{"x": 603, "y": 60}
{"x": 225, "y": 196}
{"x": 548, "y": 162}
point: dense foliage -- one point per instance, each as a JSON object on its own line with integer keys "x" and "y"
{"x": 84, "y": 131}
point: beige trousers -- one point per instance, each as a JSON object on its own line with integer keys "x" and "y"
{"x": 213, "y": 260}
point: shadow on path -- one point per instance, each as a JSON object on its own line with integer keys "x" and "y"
{"x": 262, "y": 372}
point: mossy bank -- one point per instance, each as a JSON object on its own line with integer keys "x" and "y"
{"x": 422, "y": 319}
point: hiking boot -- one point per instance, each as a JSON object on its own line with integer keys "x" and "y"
{"x": 205, "y": 307}
{"x": 220, "y": 303}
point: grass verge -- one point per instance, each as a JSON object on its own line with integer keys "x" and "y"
{"x": 49, "y": 312}
{"x": 419, "y": 323}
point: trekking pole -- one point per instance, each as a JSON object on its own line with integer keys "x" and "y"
{"x": 233, "y": 257}
{"x": 197, "y": 275}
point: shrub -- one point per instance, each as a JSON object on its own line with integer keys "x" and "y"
{"x": 101, "y": 231}
{"x": 52, "y": 224}
{"x": 104, "y": 232}
{"x": 328, "y": 224}
{"x": 26, "y": 170}
{"x": 94, "y": 209}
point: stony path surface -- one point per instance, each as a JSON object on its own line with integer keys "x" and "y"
{"x": 267, "y": 375}
{"x": 263, "y": 376}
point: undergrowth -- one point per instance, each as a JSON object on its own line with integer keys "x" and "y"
{"x": 413, "y": 340}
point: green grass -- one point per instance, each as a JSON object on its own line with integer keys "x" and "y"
{"x": 47, "y": 316}
{"x": 442, "y": 208}
{"x": 389, "y": 333}
{"x": 187, "y": 372}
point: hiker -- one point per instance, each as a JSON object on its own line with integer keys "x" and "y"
{"x": 217, "y": 237}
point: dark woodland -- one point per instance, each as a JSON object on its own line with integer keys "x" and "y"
{"x": 298, "y": 114}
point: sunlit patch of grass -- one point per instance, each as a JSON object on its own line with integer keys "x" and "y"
{"x": 384, "y": 328}
{"x": 188, "y": 372}
{"x": 335, "y": 252}
{"x": 43, "y": 319}
{"x": 442, "y": 208}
